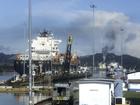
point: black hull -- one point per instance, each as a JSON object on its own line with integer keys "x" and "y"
{"x": 22, "y": 67}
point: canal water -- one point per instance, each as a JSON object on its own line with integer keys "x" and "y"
{"x": 16, "y": 99}
{"x": 7, "y": 98}
{"x": 10, "y": 99}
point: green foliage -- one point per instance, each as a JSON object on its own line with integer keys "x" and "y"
{"x": 131, "y": 95}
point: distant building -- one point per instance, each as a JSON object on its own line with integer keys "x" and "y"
{"x": 134, "y": 81}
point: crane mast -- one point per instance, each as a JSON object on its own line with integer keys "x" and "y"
{"x": 68, "y": 55}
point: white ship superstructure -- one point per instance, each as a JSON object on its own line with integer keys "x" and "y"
{"x": 44, "y": 47}
{"x": 46, "y": 56}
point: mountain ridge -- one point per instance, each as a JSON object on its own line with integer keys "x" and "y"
{"x": 129, "y": 62}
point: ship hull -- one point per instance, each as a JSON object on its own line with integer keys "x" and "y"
{"x": 22, "y": 67}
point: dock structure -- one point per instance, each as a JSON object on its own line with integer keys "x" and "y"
{"x": 40, "y": 101}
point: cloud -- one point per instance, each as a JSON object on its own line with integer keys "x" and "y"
{"x": 12, "y": 39}
{"x": 110, "y": 30}
{"x": 4, "y": 49}
{"x": 131, "y": 37}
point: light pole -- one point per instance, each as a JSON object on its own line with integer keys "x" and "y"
{"x": 30, "y": 56}
{"x": 122, "y": 30}
{"x": 93, "y": 6}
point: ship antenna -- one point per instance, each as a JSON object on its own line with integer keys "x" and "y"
{"x": 30, "y": 56}
{"x": 93, "y": 7}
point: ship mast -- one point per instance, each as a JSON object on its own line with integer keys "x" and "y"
{"x": 30, "y": 56}
{"x": 93, "y": 6}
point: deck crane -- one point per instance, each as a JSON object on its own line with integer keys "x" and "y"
{"x": 67, "y": 60}
{"x": 62, "y": 94}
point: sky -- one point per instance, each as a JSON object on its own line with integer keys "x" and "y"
{"x": 113, "y": 26}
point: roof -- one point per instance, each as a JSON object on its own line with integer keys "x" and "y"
{"x": 62, "y": 85}
{"x": 101, "y": 81}
{"x": 134, "y": 76}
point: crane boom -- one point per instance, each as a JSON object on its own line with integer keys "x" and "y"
{"x": 68, "y": 54}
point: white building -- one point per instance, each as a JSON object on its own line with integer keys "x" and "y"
{"x": 134, "y": 76}
{"x": 95, "y": 92}
{"x": 134, "y": 81}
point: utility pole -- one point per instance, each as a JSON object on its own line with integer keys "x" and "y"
{"x": 93, "y": 6}
{"x": 30, "y": 55}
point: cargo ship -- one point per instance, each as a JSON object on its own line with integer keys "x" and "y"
{"x": 46, "y": 56}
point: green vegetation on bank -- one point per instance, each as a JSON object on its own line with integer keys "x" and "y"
{"x": 6, "y": 62}
{"x": 24, "y": 90}
{"x": 14, "y": 90}
{"x": 131, "y": 94}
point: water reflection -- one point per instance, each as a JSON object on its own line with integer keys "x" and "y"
{"x": 6, "y": 75}
{"x": 24, "y": 98}
{"x": 8, "y": 99}
{"x": 19, "y": 99}
{"x": 16, "y": 99}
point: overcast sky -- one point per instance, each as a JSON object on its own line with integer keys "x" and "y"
{"x": 115, "y": 24}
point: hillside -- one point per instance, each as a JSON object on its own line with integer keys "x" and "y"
{"x": 128, "y": 61}
{"x": 6, "y": 60}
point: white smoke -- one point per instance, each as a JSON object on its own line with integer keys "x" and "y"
{"x": 111, "y": 30}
